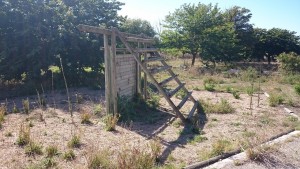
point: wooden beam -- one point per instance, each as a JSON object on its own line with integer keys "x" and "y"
{"x": 93, "y": 29}
{"x": 113, "y": 72}
{"x": 109, "y": 108}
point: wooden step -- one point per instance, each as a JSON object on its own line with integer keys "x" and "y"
{"x": 164, "y": 82}
{"x": 153, "y": 59}
{"x": 146, "y": 50}
{"x": 193, "y": 110}
{"x": 161, "y": 69}
{"x": 176, "y": 90}
{"x": 142, "y": 40}
{"x": 184, "y": 100}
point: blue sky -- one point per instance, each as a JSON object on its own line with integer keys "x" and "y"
{"x": 267, "y": 14}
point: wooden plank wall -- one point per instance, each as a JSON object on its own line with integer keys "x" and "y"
{"x": 125, "y": 75}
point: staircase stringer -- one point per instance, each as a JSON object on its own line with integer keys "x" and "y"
{"x": 144, "y": 68}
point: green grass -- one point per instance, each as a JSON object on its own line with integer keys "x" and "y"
{"x": 75, "y": 142}
{"x": 197, "y": 139}
{"x": 69, "y": 155}
{"x": 51, "y": 151}
{"x": 275, "y": 99}
{"x": 297, "y": 89}
{"x": 222, "y": 107}
{"x": 33, "y": 149}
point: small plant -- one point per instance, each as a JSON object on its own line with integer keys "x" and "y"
{"x": 26, "y": 107}
{"x": 209, "y": 87}
{"x": 15, "y": 109}
{"x": 79, "y": 98}
{"x": 97, "y": 109}
{"x": 52, "y": 151}
{"x": 33, "y": 148}
{"x": 85, "y": 118}
{"x": 48, "y": 163}
{"x": 236, "y": 94}
{"x": 275, "y": 100}
{"x": 197, "y": 139}
{"x": 222, "y": 107}
{"x": 111, "y": 122}
{"x": 180, "y": 94}
{"x": 297, "y": 89}
{"x": 30, "y": 124}
{"x": 220, "y": 147}
{"x": 2, "y": 113}
{"x": 177, "y": 123}
{"x": 24, "y": 135}
{"x": 74, "y": 142}
{"x": 69, "y": 155}
{"x": 100, "y": 159}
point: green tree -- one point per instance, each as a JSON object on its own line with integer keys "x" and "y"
{"x": 137, "y": 26}
{"x": 270, "y": 43}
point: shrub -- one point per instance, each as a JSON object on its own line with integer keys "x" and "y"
{"x": 74, "y": 142}
{"x": 52, "y": 151}
{"x": 222, "y": 107}
{"x": 236, "y": 94}
{"x": 220, "y": 147}
{"x": 100, "y": 159}
{"x": 209, "y": 87}
{"x": 111, "y": 121}
{"x": 85, "y": 118}
{"x": 297, "y": 89}
{"x": 289, "y": 62}
{"x": 69, "y": 155}
{"x": 24, "y": 135}
{"x": 26, "y": 107}
{"x": 275, "y": 100}
{"x": 97, "y": 109}
{"x": 33, "y": 148}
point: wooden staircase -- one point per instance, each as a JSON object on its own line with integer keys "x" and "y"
{"x": 150, "y": 73}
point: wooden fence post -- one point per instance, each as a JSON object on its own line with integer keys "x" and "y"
{"x": 113, "y": 72}
{"x": 109, "y": 108}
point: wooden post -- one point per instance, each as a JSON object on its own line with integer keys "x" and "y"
{"x": 113, "y": 52}
{"x": 109, "y": 108}
{"x": 138, "y": 76}
{"x": 145, "y": 75}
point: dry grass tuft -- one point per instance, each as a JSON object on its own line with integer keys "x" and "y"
{"x": 111, "y": 122}
{"x": 24, "y": 135}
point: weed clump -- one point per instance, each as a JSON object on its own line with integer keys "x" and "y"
{"x": 24, "y": 135}
{"x": 69, "y": 155}
{"x": 74, "y": 142}
{"x": 100, "y": 159}
{"x": 111, "y": 121}
{"x": 33, "y": 148}
{"x": 97, "y": 109}
{"x": 26, "y": 107}
{"x": 222, "y": 107}
{"x": 51, "y": 151}
{"x": 85, "y": 118}
{"x": 275, "y": 100}
{"x": 2, "y": 115}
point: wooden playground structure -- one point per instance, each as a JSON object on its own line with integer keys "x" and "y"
{"x": 123, "y": 71}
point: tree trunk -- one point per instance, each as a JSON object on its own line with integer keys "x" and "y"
{"x": 193, "y": 60}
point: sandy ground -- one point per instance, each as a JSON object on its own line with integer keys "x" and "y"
{"x": 57, "y": 129}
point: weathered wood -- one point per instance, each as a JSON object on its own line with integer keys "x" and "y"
{"x": 142, "y": 40}
{"x": 196, "y": 104}
{"x": 184, "y": 100}
{"x": 173, "y": 92}
{"x": 93, "y": 29}
{"x": 145, "y": 76}
{"x": 113, "y": 72}
{"x": 153, "y": 59}
{"x": 164, "y": 82}
{"x": 138, "y": 75}
{"x": 158, "y": 70}
{"x": 143, "y": 50}
{"x": 146, "y": 71}
{"x": 109, "y": 107}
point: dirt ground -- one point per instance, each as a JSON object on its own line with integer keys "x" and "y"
{"x": 56, "y": 128}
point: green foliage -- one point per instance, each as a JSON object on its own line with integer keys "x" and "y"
{"x": 297, "y": 89}
{"x": 197, "y": 139}
{"x": 97, "y": 109}
{"x": 24, "y": 135}
{"x": 75, "y": 142}
{"x": 222, "y": 107}
{"x": 85, "y": 118}
{"x": 138, "y": 26}
{"x": 26, "y": 105}
{"x": 111, "y": 121}
{"x": 100, "y": 159}
{"x": 180, "y": 94}
{"x": 69, "y": 155}
{"x": 33, "y": 148}
{"x": 2, "y": 114}
{"x": 275, "y": 99}
{"x": 51, "y": 151}
{"x": 236, "y": 94}
{"x": 289, "y": 62}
